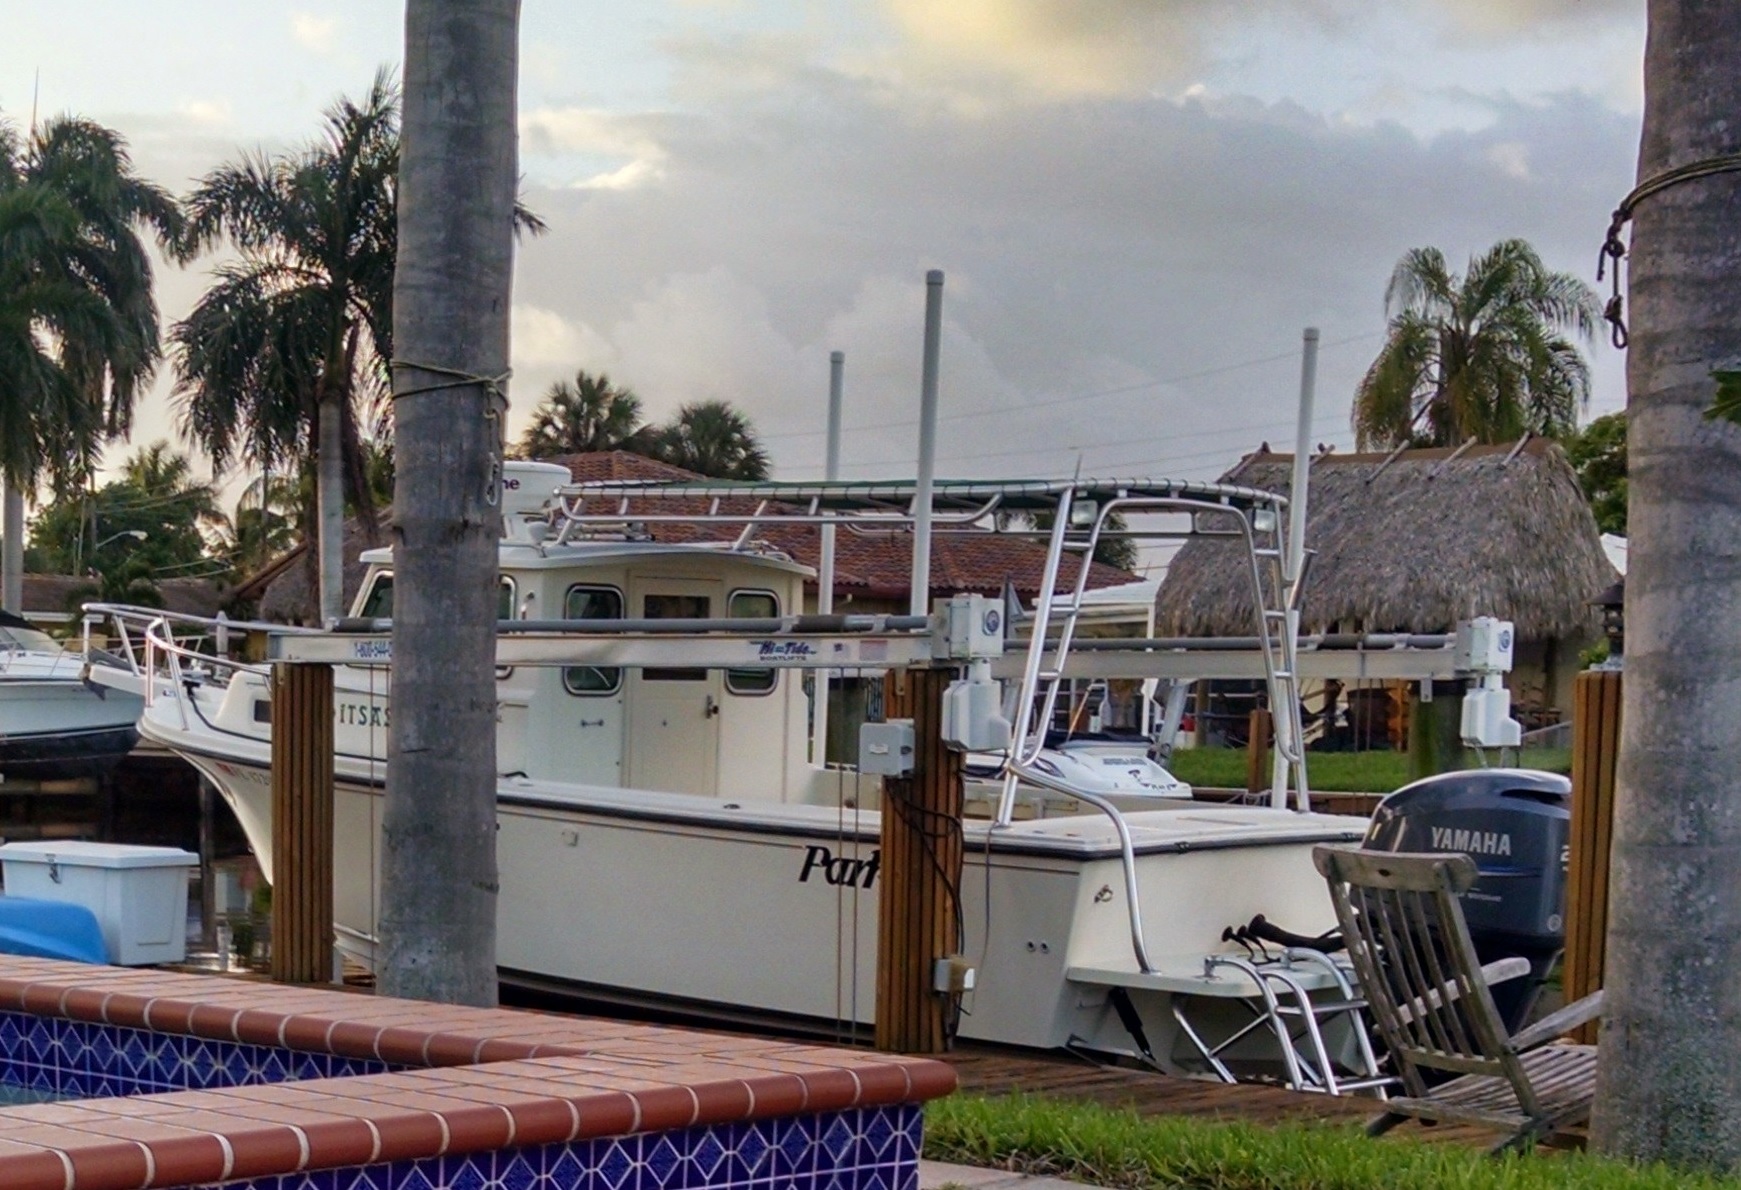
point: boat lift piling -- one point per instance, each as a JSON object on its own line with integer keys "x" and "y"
{"x": 919, "y": 601}
{"x": 919, "y": 908}
{"x": 825, "y": 564}
{"x": 302, "y": 823}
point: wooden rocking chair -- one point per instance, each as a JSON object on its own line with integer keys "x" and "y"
{"x": 1410, "y": 945}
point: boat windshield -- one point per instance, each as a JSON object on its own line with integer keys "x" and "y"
{"x": 17, "y": 636}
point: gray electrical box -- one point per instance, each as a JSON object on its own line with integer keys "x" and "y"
{"x": 886, "y": 749}
{"x": 966, "y": 628}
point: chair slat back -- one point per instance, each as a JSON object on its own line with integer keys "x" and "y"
{"x": 1407, "y": 938}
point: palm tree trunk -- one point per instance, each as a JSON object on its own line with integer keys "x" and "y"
{"x": 1667, "y": 1086}
{"x": 451, "y": 298}
{"x": 12, "y": 552}
{"x": 329, "y": 500}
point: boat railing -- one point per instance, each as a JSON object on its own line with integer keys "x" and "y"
{"x": 162, "y": 649}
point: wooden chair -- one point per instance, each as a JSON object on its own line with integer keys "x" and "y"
{"x": 1410, "y": 945}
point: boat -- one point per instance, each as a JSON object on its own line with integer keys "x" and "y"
{"x": 54, "y": 722}
{"x": 664, "y": 835}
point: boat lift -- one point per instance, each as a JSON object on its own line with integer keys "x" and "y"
{"x": 1080, "y": 512}
{"x": 963, "y": 634}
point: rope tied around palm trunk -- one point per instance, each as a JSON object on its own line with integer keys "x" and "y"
{"x": 456, "y": 378}
{"x": 1615, "y": 248}
{"x": 494, "y": 390}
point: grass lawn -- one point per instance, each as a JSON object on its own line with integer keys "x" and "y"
{"x": 1334, "y": 772}
{"x": 1106, "y": 1147}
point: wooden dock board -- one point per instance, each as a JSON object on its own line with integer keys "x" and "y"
{"x": 993, "y": 1071}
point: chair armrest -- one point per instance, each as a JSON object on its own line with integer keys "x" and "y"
{"x": 1500, "y": 970}
{"x": 1558, "y": 1023}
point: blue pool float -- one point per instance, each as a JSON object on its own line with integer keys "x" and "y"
{"x": 50, "y": 930}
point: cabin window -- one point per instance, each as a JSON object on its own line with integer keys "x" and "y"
{"x": 379, "y": 604}
{"x": 592, "y": 603}
{"x": 675, "y": 607}
{"x": 753, "y": 605}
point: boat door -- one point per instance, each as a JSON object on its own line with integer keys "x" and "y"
{"x": 674, "y": 712}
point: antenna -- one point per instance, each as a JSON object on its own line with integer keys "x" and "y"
{"x": 35, "y": 94}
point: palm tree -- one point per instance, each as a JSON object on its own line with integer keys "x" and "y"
{"x": 711, "y": 438}
{"x": 590, "y": 414}
{"x": 275, "y": 359}
{"x": 78, "y": 320}
{"x": 1666, "y": 1077}
{"x": 264, "y": 524}
{"x": 452, "y": 296}
{"x": 1479, "y": 356}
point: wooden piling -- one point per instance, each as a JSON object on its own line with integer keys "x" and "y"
{"x": 1595, "y": 748}
{"x": 302, "y": 823}
{"x": 1259, "y": 738}
{"x": 918, "y": 906}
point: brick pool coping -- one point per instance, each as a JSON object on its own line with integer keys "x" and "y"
{"x": 490, "y": 1078}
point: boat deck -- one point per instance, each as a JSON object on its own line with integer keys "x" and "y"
{"x": 991, "y": 1071}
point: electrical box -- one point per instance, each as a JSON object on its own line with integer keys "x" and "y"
{"x": 952, "y": 975}
{"x": 1484, "y": 646}
{"x": 967, "y": 628}
{"x": 886, "y": 749}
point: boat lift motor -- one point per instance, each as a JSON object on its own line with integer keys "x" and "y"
{"x": 970, "y": 628}
{"x": 1483, "y": 651}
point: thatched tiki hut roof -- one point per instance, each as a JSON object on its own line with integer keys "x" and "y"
{"x": 1414, "y": 542}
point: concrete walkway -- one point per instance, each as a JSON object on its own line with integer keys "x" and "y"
{"x": 933, "y": 1174}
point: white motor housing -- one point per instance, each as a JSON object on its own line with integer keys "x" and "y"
{"x": 973, "y": 716}
{"x": 1487, "y": 721}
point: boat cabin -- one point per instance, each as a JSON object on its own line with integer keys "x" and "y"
{"x": 720, "y": 733}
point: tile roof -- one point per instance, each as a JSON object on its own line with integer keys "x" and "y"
{"x": 873, "y": 564}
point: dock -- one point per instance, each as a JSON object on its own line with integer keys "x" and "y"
{"x": 989, "y": 1070}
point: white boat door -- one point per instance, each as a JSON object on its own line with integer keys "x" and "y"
{"x": 674, "y": 712}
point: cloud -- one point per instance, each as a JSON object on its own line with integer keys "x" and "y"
{"x": 207, "y": 111}
{"x": 316, "y": 33}
{"x": 1502, "y": 18}
{"x": 1064, "y": 47}
{"x": 610, "y": 151}
{"x": 1127, "y": 276}
{"x": 1512, "y": 157}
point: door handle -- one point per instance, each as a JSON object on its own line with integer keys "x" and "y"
{"x": 710, "y": 708}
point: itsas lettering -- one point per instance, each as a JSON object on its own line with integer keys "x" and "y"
{"x": 360, "y": 714}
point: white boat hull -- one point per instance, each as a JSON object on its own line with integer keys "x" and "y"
{"x": 59, "y": 727}
{"x": 763, "y": 907}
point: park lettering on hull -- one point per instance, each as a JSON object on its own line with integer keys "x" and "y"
{"x": 845, "y": 871}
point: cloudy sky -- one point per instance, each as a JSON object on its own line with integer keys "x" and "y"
{"x": 1138, "y": 203}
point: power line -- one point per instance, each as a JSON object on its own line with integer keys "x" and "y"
{"x": 1123, "y": 440}
{"x": 1077, "y": 397}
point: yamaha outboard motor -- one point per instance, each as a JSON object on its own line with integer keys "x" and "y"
{"x": 1516, "y": 825}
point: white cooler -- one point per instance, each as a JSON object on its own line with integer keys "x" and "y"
{"x": 139, "y": 894}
